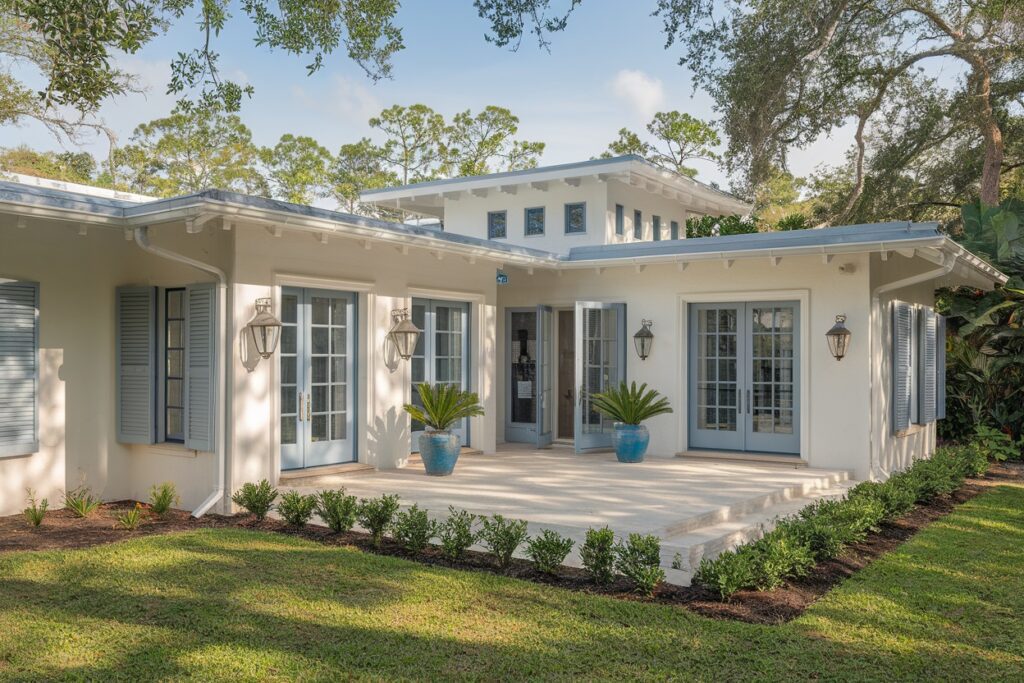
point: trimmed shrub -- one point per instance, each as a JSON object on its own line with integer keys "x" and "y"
{"x": 456, "y": 533}
{"x": 996, "y": 444}
{"x": 896, "y": 496}
{"x": 502, "y": 537}
{"x": 549, "y": 550}
{"x": 336, "y": 509}
{"x": 296, "y": 509}
{"x": 257, "y": 499}
{"x": 973, "y": 459}
{"x": 81, "y": 501}
{"x": 376, "y": 514}
{"x": 730, "y": 572}
{"x": 36, "y": 510}
{"x": 162, "y": 497}
{"x": 598, "y": 554}
{"x": 778, "y": 556}
{"x": 413, "y": 529}
{"x": 639, "y": 559}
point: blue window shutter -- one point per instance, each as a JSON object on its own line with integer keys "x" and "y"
{"x": 200, "y": 366}
{"x": 940, "y": 367}
{"x": 674, "y": 225}
{"x": 136, "y": 364}
{"x": 902, "y": 382}
{"x": 927, "y": 367}
{"x": 638, "y": 225}
{"x": 620, "y": 219}
{"x": 19, "y": 368}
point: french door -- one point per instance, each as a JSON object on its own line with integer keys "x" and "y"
{"x": 744, "y": 376}
{"x": 441, "y": 355}
{"x": 530, "y": 375}
{"x": 317, "y": 353}
{"x": 600, "y": 363}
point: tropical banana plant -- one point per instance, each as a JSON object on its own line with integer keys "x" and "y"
{"x": 630, "y": 404}
{"x": 443, "y": 406}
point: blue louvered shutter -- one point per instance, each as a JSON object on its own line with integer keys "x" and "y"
{"x": 136, "y": 364}
{"x": 200, "y": 366}
{"x": 902, "y": 382}
{"x": 927, "y": 367}
{"x": 940, "y": 367}
{"x": 19, "y": 368}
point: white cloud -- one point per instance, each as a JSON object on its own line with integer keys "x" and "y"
{"x": 353, "y": 101}
{"x": 645, "y": 94}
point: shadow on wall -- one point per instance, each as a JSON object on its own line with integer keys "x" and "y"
{"x": 388, "y": 440}
{"x": 247, "y": 352}
{"x": 391, "y": 358}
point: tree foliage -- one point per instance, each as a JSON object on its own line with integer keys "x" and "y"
{"x": 297, "y": 168}
{"x": 485, "y": 142}
{"x": 677, "y": 138}
{"x": 72, "y": 167}
{"x": 192, "y": 149}
{"x": 357, "y": 167}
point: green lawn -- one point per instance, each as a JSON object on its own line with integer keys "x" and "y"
{"x": 237, "y": 605}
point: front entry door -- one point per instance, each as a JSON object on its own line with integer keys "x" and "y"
{"x": 600, "y": 363}
{"x": 317, "y": 353}
{"x": 744, "y": 377}
{"x": 441, "y": 355}
{"x": 530, "y": 378}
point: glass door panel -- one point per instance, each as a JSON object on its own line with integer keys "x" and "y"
{"x": 529, "y": 375}
{"x": 600, "y": 363}
{"x": 316, "y": 367}
{"x": 441, "y": 355}
{"x": 545, "y": 375}
{"x": 716, "y": 374}
{"x": 773, "y": 369}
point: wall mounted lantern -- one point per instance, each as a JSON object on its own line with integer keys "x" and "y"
{"x": 403, "y": 334}
{"x": 644, "y": 339}
{"x": 265, "y": 329}
{"x": 838, "y": 338}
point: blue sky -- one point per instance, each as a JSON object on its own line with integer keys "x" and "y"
{"x": 607, "y": 70}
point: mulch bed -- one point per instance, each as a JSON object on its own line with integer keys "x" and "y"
{"x": 62, "y": 530}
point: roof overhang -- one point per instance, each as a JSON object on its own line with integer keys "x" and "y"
{"x": 428, "y": 198}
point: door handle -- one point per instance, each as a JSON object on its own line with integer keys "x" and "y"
{"x": 300, "y": 407}
{"x": 309, "y": 412}
{"x": 748, "y": 401}
{"x": 581, "y": 395}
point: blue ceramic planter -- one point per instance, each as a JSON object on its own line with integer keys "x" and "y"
{"x": 630, "y": 442}
{"x": 439, "y": 451}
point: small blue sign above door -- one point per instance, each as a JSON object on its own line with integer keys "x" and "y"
{"x": 502, "y": 277}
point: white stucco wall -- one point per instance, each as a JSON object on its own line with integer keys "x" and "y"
{"x": 834, "y": 407}
{"x": 384, "y": 280}
{"x": 77, "y": 277}
{"x": 650, "y": 205}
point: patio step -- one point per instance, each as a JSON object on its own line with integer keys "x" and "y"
{"x": 712, "y": 540}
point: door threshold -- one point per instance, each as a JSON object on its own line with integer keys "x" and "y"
{"x": 738, "y": 456}
{"x": 341, "y": 468}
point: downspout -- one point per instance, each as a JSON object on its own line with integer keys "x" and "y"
{"x": 220, "y": 447}
{"x": 941, "y": 271}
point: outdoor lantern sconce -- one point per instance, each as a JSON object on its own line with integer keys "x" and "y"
{"x": 838, "y": 338}
{"x": 403, "y": 334}
{"x": 265, "y": 329}
{"x": 644, "y": 339}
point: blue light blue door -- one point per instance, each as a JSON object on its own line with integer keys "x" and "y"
{"x": 744, "y": 377}
{"x": 529, "y": 339}
{"x": 441, "y": 355}
{"x": 317, "y": 353}
{"x": 600, "y": 363}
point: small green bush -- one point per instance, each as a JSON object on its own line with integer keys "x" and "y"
{"x": 639, "y": 559}
{"x": 730, "y": 572}
{"x": 414, "y": 529}
{"x": 503, "y": 537}
{"x": 81, "y": 501}
{"x": 36, "y": 510}
{"x": 376, "y": 514}
{"x": 129, "y": 520}
{"x": 548, "y": 550}
{"x": 337, "y": 509}
{"x": 296, "y": 509}
{"x": 598, "y": 554}
{"x": 777, "y": 556}
{"x": 937, "y": 476}
{"x": 162, "y": 497}
{"x": 456, "y": 533}
{"x": 974, "y": 459}
{"x": 258, "y": 499}
{"x": 996, "y": 444}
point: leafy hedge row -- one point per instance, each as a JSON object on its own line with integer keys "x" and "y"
{"x": 638, "y": 557}
{"x": 820, "y": 531}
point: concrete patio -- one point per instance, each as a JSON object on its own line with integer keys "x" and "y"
{"x": 697, "y": 507}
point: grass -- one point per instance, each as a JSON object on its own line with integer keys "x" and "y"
{"x": 240, "y": 605}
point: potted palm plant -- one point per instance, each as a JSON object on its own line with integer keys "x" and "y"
{"x": 629, "y": 406}
{"x": 443, "y": 406}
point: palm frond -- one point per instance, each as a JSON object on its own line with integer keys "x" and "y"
{"x": 443, "y": 405}
{"x": 630, "y": 404}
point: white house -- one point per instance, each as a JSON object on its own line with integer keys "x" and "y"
{"x": 126, "y": 357}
